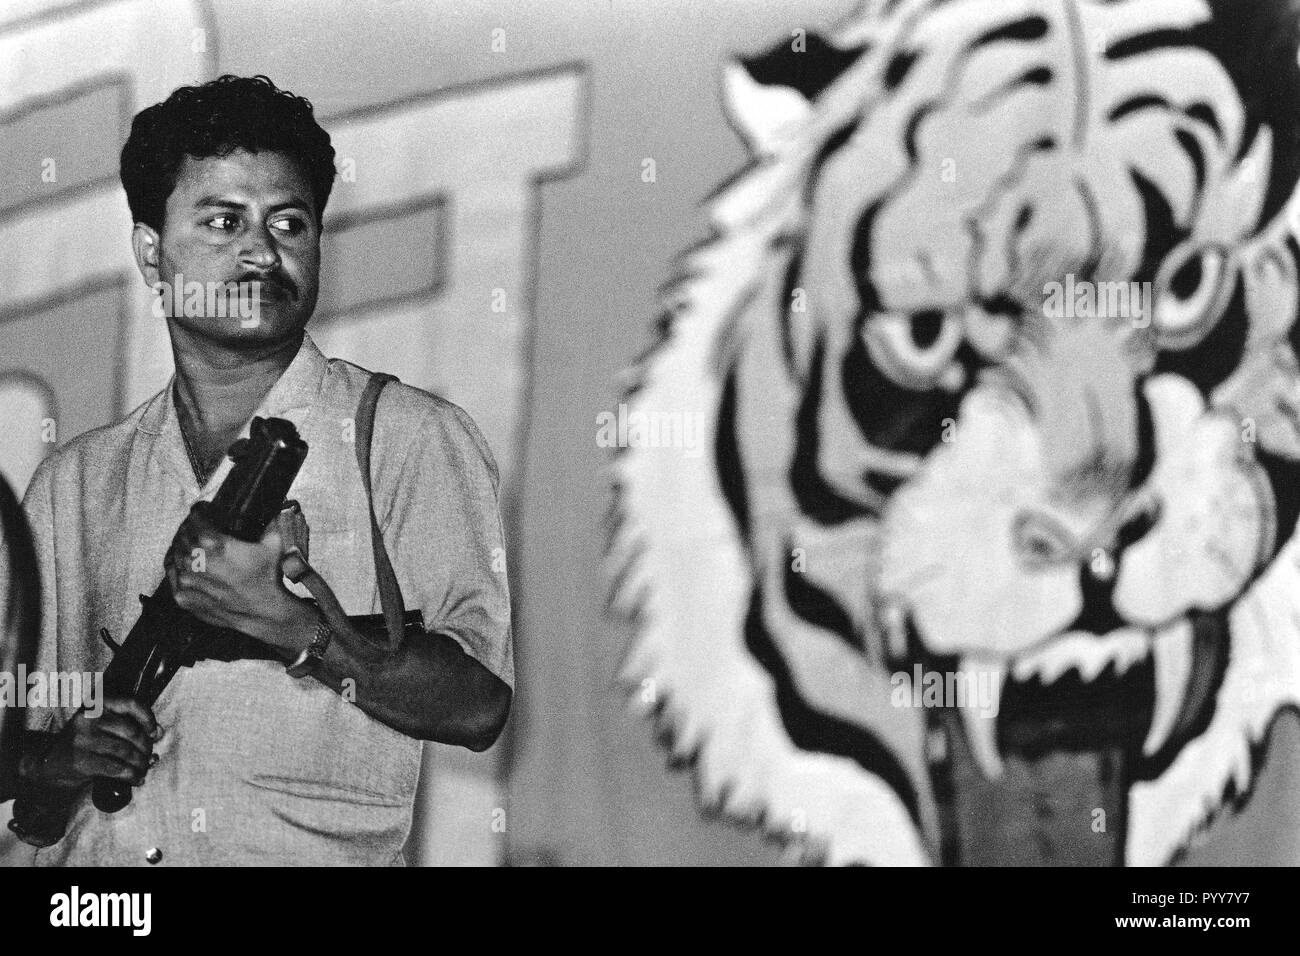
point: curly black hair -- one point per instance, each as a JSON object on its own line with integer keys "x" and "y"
{"x": 215, "y": 119}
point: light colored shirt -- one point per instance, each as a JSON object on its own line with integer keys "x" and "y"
{"x": 255, "y": 766}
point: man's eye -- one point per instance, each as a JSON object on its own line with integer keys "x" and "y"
{"x": 291, "y": 226}
{"x": 222, "y": 223}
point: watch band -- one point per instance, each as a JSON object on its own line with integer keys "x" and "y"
{"x": 312, "y": 654}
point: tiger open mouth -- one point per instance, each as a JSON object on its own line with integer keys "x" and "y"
{"x": 1144, "y": 690}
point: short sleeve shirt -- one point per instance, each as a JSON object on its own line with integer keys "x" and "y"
{"x": 255, "y": 766}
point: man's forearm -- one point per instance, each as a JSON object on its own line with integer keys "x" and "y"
{"x": 429, "y": 688}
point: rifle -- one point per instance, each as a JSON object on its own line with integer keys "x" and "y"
{"x": 165, "y": 637}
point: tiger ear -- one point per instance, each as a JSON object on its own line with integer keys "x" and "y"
{"x": 770, "y": 95}
{"x": 764, "y": 116}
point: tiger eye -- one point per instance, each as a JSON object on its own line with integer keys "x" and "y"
{"x": 1187, "y": 279}
{"x": 926, "y": 327}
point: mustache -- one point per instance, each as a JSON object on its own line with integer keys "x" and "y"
{"x": 277, "y": 283}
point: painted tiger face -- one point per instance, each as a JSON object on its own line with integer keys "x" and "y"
{"x": 1035, "y": 279}
{"x": 1102, "y": 482}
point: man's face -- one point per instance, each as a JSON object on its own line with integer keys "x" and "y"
{"x": 243, "y": 218}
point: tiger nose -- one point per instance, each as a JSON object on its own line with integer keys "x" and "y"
{"x": 1104, "y": 560}
{"x": 1041, "y": 541}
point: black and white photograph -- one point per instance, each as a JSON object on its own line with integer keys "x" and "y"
{"x": 597, "y": 433}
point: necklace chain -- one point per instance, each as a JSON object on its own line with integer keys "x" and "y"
{"x": 201, "y": 474}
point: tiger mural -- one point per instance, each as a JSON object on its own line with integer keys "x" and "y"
{"x": 913, "y": 459}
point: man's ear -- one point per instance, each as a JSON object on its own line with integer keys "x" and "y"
{"x": 145, "y": 244}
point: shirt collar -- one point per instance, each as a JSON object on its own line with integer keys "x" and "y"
{"x": 301, "y": 382}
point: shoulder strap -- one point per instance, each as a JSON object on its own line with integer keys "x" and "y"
{"x": 390, "y": 593}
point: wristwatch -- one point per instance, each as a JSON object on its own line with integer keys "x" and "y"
{"x": 311, "y": 656}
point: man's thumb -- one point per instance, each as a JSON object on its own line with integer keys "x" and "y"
{"x": 293, "y": 565}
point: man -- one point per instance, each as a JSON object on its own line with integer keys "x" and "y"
{"x": 238, "y": 762}
{"x": 19, "y": 608}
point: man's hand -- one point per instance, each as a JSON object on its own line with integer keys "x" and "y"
{"x": 117, "y": 744}
{"x": 231, "y": 583}
{"x": 428, "y": 688}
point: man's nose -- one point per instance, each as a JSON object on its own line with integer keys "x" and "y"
{"x": 260, "y": 250}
